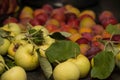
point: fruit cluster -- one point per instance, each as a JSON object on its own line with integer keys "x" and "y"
{"x": 24, "y": 38}
{"x": 8, "y": 6}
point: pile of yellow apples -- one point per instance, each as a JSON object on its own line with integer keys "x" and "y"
{"x": 23, "y": 53}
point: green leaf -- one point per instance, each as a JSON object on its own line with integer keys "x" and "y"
{"x": 110, "y": 46}
{"x": 104, "y": 64}
{"x": 9, "y": 62}
{"x": 45, "y": 65}
{"x": 58, "y": 36}
{"x": 113, "y": 29}
{"x": 62, "y": 50}
{"x": 4, "y": 33}
{"x": 36, "y": 36}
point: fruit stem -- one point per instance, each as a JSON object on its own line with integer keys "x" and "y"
{"x": 57, "y": 61}
{"x": 5, "y": 66}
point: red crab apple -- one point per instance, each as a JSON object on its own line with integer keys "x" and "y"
{"x": 58, "y": 14}
{"x": 48, "y": 8}
{"x": 10, "y": 20}
{"x": 97, "y": 29}
{"x": 34, "y": 22}
{"x": 70, "y": 16}
{"x": 74, "y": 23}
{"x": 105, "y": 14}
{"x": 52, "y": 28}
{"x": 38, "y": 11}
{"x": 42, "y": 18}
{"x": 82, "y": 41}
{"x": 92, "y": 51}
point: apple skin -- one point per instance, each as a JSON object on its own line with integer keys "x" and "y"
{"x": 4, "y": 47}
{"x": 13, "y": 28}
{"x": 66, "y": 71}
{"x": 26, "y": 57}
{"x": 2, "y": 66}
{"x": 14, "y": 46}
{"x": 83, "y": 63}
{"x": 117, "y": 60}
{"x": 15, "y": 73}
{"x": 20, "y": 36}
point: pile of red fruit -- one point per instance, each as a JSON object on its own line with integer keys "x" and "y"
{"x": 81, "y": 24}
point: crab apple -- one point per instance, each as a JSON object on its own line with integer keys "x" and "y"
{"x": 72, "y": 31}
{"x": 92, "y": 51}
{"x": 53, "y": 22}
{"x": 105, "y": 14}
{"x": 83, "y": 16}
{"x": 107, "y": 21}
{"x": 106, "y": 35}
{"x": 97, "y": 29}
{"x": 82, "y": 41}
{"x": 27, "y": 12}
{"x": 42, "y": 18}
{"x": 74, "y": 23}
{"x": 74, "y": 10}
{"x": 87, "y": 22}
{"x": 74, "y": 37}
{"x": 10, "y": 20}
{"x": 88, "y": 36}
{"x": 82, "y": 30}
{"x": 34, "y": 22}
{"x": 84, "y": 48}
{"x": 38, "y": 11}
{"x": 52, "y": 28}
{"x": 58, "y": 14}
{"x": 87, "y": 13}
{"x": 116, "y": 37}
{"x": 65, "y": 27}
{"x": 48, "y": 8}
{"x": 70, "y": 16}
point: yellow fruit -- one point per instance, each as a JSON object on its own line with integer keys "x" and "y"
{"x": 84, "y": 30}
{"x": 4, "y": 47}
{"x": 87, "y": 22}
{"x": 13, "y": 28}
{"x": 14, "y": 46}
{"x": 84, "y": 48}
{"x": 66, "y": 71}
{"x": 72, "y": 9}
{"x": 75, "y": 37}
{"x": 27, "y": 9}
{"x": 42, "y": 49}
{"x": 88, "y": 12}
{"x": 83, "y": 64}
{"x": 92, "y": 62}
